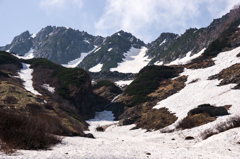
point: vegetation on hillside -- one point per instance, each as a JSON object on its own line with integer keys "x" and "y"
{"x": 66, "y": 77}
{"x": 107, "y": 83}
{"x": 6, "y": 58}
{"x": 223, "y": 41}
{"x": 147, "y": 81}
{"x": 175, "y": 49}
{"x": 22, "y": 131}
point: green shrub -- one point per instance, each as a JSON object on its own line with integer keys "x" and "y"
{"x": 65, "y": 76}
{"x": 21, "y": 131}
{"x": 223, "y": 41}
{"x": 2, "y": 74}
{"x": 147, "y": 81}
{"x": 7, "y": 58}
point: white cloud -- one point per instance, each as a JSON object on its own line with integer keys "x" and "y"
{"x": 141, "y": 17}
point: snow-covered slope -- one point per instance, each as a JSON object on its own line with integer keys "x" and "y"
{"x": 96, "y": 68}
{"x": 186, "y": 59}
{"x": 133, "y": 62}
{"x": 28, "y": 55}
{"x": 120, "y": 142}
{"x": 77, "y": 61}
{"x": 205, "y": 91}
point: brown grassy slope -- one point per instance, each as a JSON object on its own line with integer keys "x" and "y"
{"x": 73, "y": 85}
{"x": 145, "y": 116}
{"x": 13, "y": 96}
{"x": 105, "y": 91}
{"x": 229, "y": 75}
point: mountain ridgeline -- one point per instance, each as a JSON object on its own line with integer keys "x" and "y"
{"x": 62, "y": 45}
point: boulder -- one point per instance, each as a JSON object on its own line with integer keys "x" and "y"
{"x": 125, "y": 122}
{"x": 211, "y": 110}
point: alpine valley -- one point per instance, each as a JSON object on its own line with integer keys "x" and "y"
{"x": 117, "y": 97}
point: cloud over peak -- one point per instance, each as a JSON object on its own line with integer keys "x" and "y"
{"x": 141, "y": 17}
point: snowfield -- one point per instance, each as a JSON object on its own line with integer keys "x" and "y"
{"x": 119, "y": 142}
{"x": 123, "y": 83}
{"x": 133, "y": 62}
{"x": 205, "y": 91}
{"x": 187, "y": 58}
{"x": 28, "y": 55}
{"x": 77, "y": 61}
{"x": 96, "y": 68}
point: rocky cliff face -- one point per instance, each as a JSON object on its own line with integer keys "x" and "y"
{"x": 62, "y": 45}
{"x": 21, "y": 44}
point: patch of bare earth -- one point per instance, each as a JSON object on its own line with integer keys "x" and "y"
{"x": 200, "y": 62}
{"x": 229, "y": 75}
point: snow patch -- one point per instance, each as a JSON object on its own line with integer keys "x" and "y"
{"x": 158, "y": 63}
{"x": 109, "y": 49}
{"x": 26, "y": 75}
{"x": 163, "y": 42}
{"x": 187, "y": 58}
{"x": 204, "y": 90}
{"x": 49, "y": 88}
{"x": 33, "y": 35}
{"x": 119, "y": 34}
{"x": 133, "y": 62}
{"x": 96, "y": 68}
{"x": 51, "y": 34}
{"x": 28, "y": 55}
{"x": 76, "y": 62}
{"x": 123, "y": 83}
{"x": 97, "y": 49}
{"x": 87, "y": 41}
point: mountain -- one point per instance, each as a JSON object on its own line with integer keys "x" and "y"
{"x": 50, "y": 91}
{"x": 112, "y": 52}
{"x": 189, "y": 104}
{"x": 121, "y": 52}
{"x": 166, "y": 96}
{"x": 58, "y": 44}
{"x": 169, "y": 47}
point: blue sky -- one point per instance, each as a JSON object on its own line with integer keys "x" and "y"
{"x": 146, "y": 19}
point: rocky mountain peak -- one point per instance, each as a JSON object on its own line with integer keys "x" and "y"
{"x": 22, "y": 37}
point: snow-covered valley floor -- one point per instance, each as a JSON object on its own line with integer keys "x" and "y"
{"x": 119, "y": 142}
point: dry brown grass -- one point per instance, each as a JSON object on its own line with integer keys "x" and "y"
{"x": 156, "y": 119}
{"x": 195, "y": 120}
{"x": 200, "y": 62}
{"x": 148, "y": 118}
{"x": 228, "y": 75}
{"x": 21, "y": 131}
